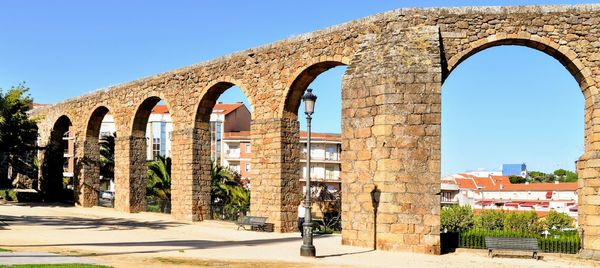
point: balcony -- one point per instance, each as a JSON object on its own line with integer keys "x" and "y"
{"x": 331, "y": 158}
{"x": 448, "y": 198}
{"x": 331, "y": 178}
{"x": 232, "y": 154}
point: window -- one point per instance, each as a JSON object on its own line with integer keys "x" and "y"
{"x": 247, "y": 167}
{"x": 248, "y": 148}
{"x": 155, "y": 148}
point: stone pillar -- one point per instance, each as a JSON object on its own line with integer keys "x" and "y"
{"x": 88, "y": 173}
{"x": 130, "y": 173}
{"x": 275, "y": 191}
{"x": 191, "y": 171}
{"x": 391, "y": 143}
{"x": 588, "y": 171}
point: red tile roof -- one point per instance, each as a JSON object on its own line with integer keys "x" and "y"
{"x": 502, "y": 183}
{"x": 220, "y": 108}
{"x": 160, "y": 109}
{"x": 465, "y": 183}
{"x": 226, "y": 108}
{"x": 322, "y": 136}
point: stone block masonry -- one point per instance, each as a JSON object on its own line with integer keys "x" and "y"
{"x": 391, "y": 109}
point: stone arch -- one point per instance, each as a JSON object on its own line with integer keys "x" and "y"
{"x": 141, "y": 116}
{"x": 589, "y": 88}
{"x": 288, "y": 143}
{"x": 89, "y": 167}
{"x": 567, "y": 57}
{"x": 60, "y": 139}
{"x": 301, "y": 79}
{"x": 95, "y": 121}
{"x": 131, "y": 189}
{"x": 201, "y": 141}
{"x": 212, "y": 93}
{"x": 563, "y": 54}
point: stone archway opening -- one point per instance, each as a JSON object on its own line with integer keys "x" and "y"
{"x": 58, "y": 179}
{"x": 325, "y": 79}
{"x": 223, "y": 146}
{"x": 98, "y": 183}
{"x": 536, "y": 118}
{"x": 150, "y": 156}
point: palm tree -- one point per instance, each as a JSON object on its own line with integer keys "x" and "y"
{"x": 158, "y": 183}
{"x": 107, "y": 156}
{"x": 228, "y": 193}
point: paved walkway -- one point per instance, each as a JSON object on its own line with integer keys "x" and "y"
{"x": 12, "y": 258}
{"x": 122, "y": 239}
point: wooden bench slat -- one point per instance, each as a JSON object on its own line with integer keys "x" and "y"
{"x": 512, "y": 243}
{"x": 257, "y": 222}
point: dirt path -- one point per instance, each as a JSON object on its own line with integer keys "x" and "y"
{"x": 154, "y": 240}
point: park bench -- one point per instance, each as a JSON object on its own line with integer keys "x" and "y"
{"x": 512, "y": 244}
{"x": 259, "y": 223}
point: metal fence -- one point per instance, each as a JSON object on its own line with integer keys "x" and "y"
{"x": 154, "y": 204}
{"x": 219, "y": 212}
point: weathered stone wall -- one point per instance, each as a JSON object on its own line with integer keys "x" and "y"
{"x": 397, "y": 62}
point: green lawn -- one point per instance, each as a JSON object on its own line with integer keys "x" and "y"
{"x": 4, "y": 250}
{"x": 69, "y": 265}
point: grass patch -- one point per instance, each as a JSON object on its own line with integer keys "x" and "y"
{"x": 5, "y": 250}
{"x": 66, "y": 265}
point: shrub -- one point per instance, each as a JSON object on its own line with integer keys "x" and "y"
{"x": 557, "y": 220}
{"x": 12, "y": 195}
{"x": 490, "y": 220}
{"x": 522, "y": 222}
{"x": 456, "y": 219}
{"x": 567, "y": 243}
{"x": 476, "y": 238}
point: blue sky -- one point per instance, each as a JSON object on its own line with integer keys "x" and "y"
{"x": 63, "y": 49}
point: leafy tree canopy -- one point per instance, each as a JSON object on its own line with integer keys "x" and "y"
{"x": 557, "y": 220}
{"x": 19, "y": 132}
{"x": 456, "y": 219}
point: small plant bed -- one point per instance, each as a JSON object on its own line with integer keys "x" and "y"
{"x": 65, "y": 265}
{"x": 17, "y": 195}
{"x": 5, "y": 250}
{"x": 462, "y": 228}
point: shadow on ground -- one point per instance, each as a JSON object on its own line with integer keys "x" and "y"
{"x": 79, "y": 223}
{"x": 165, "y": 246}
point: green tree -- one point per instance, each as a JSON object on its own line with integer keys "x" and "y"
{"x": 19, "y": 132}
{"x": 490, "y": 220}
{"x": 522, "y": 222}
{"x": 570, "y": 177}
{"x": 227, "y": 191}
{"x": 558, "y": 220}
{"x": 158, "y": 182}
{"x": 517, "y": 179}
{"x": 456, "y": 219}
{"x": 537, "y": 176}
{"x": 560, "y": 172}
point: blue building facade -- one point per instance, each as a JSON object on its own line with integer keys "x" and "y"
{"x": 514, "y": 170}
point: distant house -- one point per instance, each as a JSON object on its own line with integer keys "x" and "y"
{"x": 497, "y": 192}
{"x": 514, "y": 170}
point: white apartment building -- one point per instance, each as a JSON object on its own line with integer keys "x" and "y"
{"x": 497, "y": 192}
{"x": 230, "y": 142}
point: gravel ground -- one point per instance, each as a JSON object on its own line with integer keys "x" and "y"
{"x": 148, "y": 239}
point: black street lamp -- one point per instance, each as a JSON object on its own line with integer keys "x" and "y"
{"x": 308, "y": 249}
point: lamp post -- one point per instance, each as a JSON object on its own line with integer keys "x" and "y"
{"x": 308, "y": 249}
{"x": 375, "y": 197}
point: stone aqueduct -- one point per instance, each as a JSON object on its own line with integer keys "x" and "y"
{"x": 391, "y": 95}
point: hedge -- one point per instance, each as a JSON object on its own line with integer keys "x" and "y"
{"x": 12, "y": 195}
{"x": 566, "y": 243}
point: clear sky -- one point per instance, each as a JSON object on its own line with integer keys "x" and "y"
{"x": 64, "y": 48}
